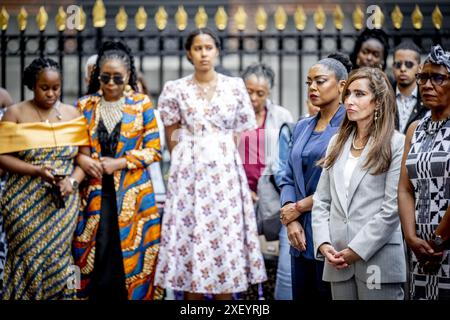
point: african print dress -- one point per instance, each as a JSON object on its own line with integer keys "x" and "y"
{"x": 3, "y": 249}
{"x": 136, "y": 221}
{"x": 209, "y": 238}
{"x": 428, "y": 166}
{"x": 39, "y": 229}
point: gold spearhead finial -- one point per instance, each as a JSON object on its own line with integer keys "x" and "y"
{"x": 261, "y": 19}
{"x": 42, "y": 19}
{"x": 161, "y": 18}
{"x": 378, "y": 18}
{"x": 181, "y": 18}
{"x": 437, "y": 17}
{"x": 338, "y": 17}
{"x": 140, "y": 19}
{"x": 417, "y": 18}
{"x": 201, "y": 17}
{"x": 300, "y": 18}
{"x": 358, "y": 18}
{"x": 121, "y": 19}
{"x": 22, "y": 19}
{"x": 99, "y": 14}
{"x": 4, "y": 18}
{"x": 280, "y": 18}
{"x": 60, "y": 19}
{"x": 397, "y": 17}
{"x": 240, "y": 18}
{"x": 320, "y": 18}
{"x": 83, "y": 20}
{"x": 221, "y": 18}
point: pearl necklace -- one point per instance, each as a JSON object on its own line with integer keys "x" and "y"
{"x": 354, "y": 146}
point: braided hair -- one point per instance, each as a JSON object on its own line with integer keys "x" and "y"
{"x": 38, "y": 65}
{"x": 118, "y": 51}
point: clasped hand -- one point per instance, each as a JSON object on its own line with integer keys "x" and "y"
{"x": 429, "y": 257}
{"x": 289, "y": 213}
{"x": 96, "y": 168}
{"x": 340, "y": 260}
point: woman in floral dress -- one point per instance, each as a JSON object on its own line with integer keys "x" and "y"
{"x": 209, "y": 241}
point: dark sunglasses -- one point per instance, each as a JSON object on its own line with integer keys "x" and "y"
{"x": 408, "y": 64}
{"x": 436, "y": 79}
{"x": 117, "y": 78}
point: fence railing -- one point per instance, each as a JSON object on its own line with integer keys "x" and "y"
{"x": 163, "y": 36}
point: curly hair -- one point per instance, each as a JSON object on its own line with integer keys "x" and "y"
{"x": 113, "y": 50}
{"x": 368, "y": 34}
{"x": 33, "y": 70}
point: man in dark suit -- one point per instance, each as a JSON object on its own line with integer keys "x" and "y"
{"x": 409, "y": 105}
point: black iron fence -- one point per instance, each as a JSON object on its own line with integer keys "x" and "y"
{"x": 281, "y": 32}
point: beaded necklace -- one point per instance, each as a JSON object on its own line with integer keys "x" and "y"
{"x": 111, "y": 112}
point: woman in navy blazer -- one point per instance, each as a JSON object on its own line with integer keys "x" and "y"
{"x": 325, "y": 82}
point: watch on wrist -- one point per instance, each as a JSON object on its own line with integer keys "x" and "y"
{"x": 438, "y": 241}
{"x": 74, "y": 183}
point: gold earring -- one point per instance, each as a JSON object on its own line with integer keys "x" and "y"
{"x": 127, "y": 89}
{"x": 376, "y": 115}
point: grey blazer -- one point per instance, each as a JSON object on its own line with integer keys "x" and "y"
{"x": 369, "y": 224}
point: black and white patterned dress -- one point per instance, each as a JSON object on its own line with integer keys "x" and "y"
{"x": 428, "y": 166}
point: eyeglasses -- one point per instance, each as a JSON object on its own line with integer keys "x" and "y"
{"x": 436, "y": 79}
{"x": 408, "y": 64}
{"x": 117, "y": 78}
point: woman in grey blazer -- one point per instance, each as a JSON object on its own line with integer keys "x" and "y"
{"x": 355, "y": 220}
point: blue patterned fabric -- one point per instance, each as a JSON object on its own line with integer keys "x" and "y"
{"x": 2, "y": 251}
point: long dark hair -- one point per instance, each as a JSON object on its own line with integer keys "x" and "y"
{"x": 113, "y": 50}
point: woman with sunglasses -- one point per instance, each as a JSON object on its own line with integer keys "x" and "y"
{"x": 423, "y": 192}
{"x": 117, "y": 238}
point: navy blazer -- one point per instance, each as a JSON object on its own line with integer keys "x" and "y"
{"x": 293, "y": 185}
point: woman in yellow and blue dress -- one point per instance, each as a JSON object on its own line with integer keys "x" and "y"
{"x": 39, "y": 141}
{"x": 117, "y": 238}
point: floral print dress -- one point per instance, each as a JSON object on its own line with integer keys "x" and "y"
{"x": 209, "y": 240}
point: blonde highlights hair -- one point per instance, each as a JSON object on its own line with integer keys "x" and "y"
{"x": 381, "y": 128}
